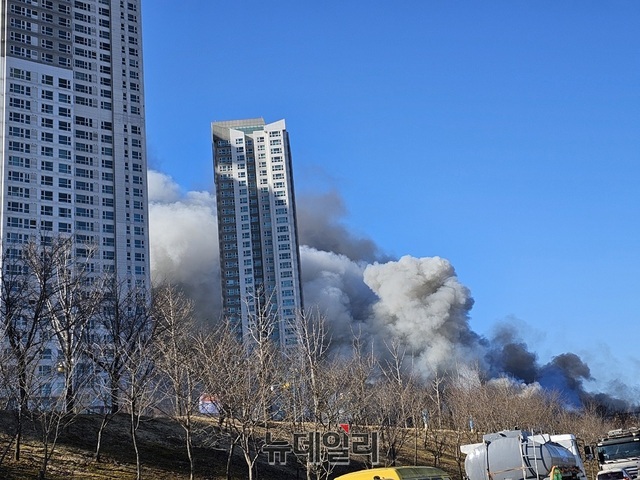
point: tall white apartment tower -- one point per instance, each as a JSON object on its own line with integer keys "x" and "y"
{"x": 259, "y": 255}
{"x": 72, "y": 152}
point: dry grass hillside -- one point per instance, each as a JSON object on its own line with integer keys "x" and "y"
{"x": 163, "y": 453}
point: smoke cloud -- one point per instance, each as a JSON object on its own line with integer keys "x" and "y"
{"x": 321, "y": 228}
{"x": 184, "y": 245}
{"x": 333, "y": 283}
{"x": 510, "y": 355}
{"x": 422, "y": 303}
{"x": 566, "y": 373}
{"x": 418, "y": 302}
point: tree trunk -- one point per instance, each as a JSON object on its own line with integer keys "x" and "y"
{"x": 22, "y": 408}
{"x": 115, "y": 406}
{"x": 69, "y": 400}
{"x": 189, "y": 452}
{"x": 45, "y": 461}
{"x": 232, "y": 448}
{"x": 103, "y": 424}
{"x": 134, "y": 439}
{"x": 7, "y": 449}
{"x": 245, "y": 445}
{"x": 16, "y": 450}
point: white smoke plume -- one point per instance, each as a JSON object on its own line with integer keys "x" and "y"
{"x": 184, "y": 243}
{"x": 416, "y": 301}
{"x": 334, "y": 285}
{"x": 419, "y": 301}
{"x": 422, "y": 303}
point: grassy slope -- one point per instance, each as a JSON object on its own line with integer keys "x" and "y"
{"x": 162, "y": 452}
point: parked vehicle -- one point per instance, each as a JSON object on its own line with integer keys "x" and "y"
{"x": 614, "y": 474}
{"x": 397, "y": 473}
{"x": 518, "y": 455}
{"x": 620, "y": 449}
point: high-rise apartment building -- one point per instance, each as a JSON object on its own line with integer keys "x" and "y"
{"x": 259, "y": 255}
{"x": 72, "y": 127}
{"x": 73, "y": 169}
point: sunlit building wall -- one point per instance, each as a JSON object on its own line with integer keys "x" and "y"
{"x": 72, "y": 128}
{"x": 73, "y": 157}
{"x": 259, "y": 255}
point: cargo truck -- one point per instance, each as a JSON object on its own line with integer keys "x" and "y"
{"x": 619, "y": 449}
{"x": 518, "y": 455}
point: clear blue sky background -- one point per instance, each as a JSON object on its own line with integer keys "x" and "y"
{"x": 501, "y": 135}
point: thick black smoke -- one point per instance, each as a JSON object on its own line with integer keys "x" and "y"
{"x": 418, "y": 302}
{"x": 565, "y": 373}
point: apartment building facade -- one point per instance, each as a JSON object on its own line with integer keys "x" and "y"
{"x": 73, "y": 153}
{"x": 257, "y": 233}
{"x": 73, "y": 160}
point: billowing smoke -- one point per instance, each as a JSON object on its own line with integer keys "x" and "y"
{"x": 507, "y": 354}
{"x": 510, "y": 355}
{"x": 333, "y": 283}
{"x": 319, "y": 226}
{"x": 184, "y": 245}
{"x": 418, "y": 302}
{"x": 566, "y": 373}
{"x": 422, "y": 303}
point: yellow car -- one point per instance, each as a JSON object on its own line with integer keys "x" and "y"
{"x": 397, "y": 473}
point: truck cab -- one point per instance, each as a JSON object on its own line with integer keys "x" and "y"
{"x": 620, "y": 449}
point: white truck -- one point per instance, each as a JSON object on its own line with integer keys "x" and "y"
{"x": 518, "y": 455}
{"x": 620, "y": 449}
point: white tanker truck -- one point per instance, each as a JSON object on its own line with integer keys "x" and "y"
{"x": 518, "y": 455}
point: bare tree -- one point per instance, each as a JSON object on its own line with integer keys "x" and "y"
{"x": 46, "y": 302}
{"x": 122, "y": 325}
{"x": 48, "y": 414}
{"x": 396, "y": 398}
{"x": 589, "y": 424}
{"x": 234, "y": 377}
{"x": 462, "y": 393}
{"x": 310, "y": 358}
{"x": 178, "y": 363}
{"x": 8, "y": 381}
{"x": 23, "y": 303}
{"x": 262, "y": 364}
{"x": 224, "y": 355}
{"x": 264, "y": 352}
{"x": 139, "y": 385}
{"x": 502, "y": 403}
{"x": 363, "y": 371}
{"x": 72, "y": 305}
{"x": 320, "y": 393}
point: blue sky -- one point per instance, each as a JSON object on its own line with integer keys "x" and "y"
{"x": 503, "y": 136}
